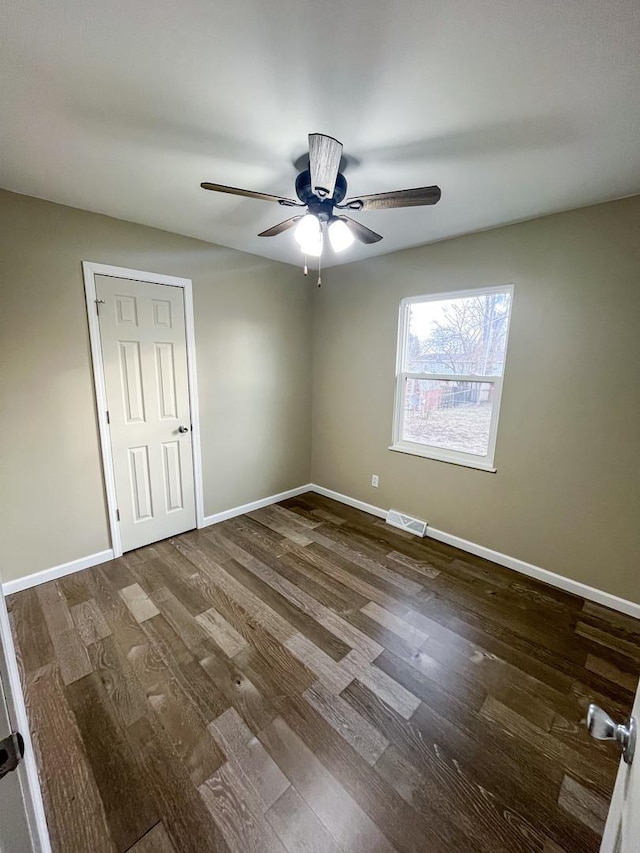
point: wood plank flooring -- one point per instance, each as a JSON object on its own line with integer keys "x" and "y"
{"x": 306, "y": 679}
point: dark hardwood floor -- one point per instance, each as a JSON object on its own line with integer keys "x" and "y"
{"x": 307, "y": 679}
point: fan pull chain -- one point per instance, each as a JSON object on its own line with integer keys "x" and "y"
{"x": 306, "y": 268}
{"x": 320, "y": 271}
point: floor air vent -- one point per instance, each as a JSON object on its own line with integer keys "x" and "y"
{"x": 406, "y": 522}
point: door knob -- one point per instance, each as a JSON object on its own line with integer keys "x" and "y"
{"x": 183, "y": 428}
{"x": 602, "y": 727}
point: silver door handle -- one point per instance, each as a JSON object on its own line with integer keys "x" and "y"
{"x": 183, "y": 428}
{"x": 602, "y": 727}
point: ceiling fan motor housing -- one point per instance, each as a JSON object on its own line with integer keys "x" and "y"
{"x": 320, "y": 207}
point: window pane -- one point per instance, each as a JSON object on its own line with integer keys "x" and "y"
{"x": 460, "y": 336}
{"x": 449, "y": 415}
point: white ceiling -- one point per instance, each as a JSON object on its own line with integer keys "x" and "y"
{"x": 516, "y": 108}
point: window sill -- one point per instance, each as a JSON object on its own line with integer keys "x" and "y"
{"x": 429, "y": 454}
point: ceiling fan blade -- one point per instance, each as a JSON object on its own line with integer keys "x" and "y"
{"x": 280, "y": 227}
{"x": 220, "y": 188}
{"x": 324, "y": 163}
{"x": 400, "y": 198}
{"x": 360, "y": 232}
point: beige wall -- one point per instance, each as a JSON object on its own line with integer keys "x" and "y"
{"x": 252, "y": 319}
{"x": 566, "y": 495}
{"x": 567, "y": 492}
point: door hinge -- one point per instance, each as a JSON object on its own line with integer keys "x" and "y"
{"x": 108, "y": 418}
{"x": 11, "y": 753}
{"x": 99, "y": 302}
{"x": 118, "y": 514}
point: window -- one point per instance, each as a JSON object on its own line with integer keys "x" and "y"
{"x": 451, "y": 356}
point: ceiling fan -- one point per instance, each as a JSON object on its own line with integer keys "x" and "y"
{"x": 322, "y": 189}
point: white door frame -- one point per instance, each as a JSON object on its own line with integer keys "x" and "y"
{"x": 90, "y": 270}
{"x": 14, "y": 695}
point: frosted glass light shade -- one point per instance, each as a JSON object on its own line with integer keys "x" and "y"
{"x": 308, "y": 233}
{"x": 308, "y": 229}
{"x": 340, "y": 235}
{"x": 312, "y": 247}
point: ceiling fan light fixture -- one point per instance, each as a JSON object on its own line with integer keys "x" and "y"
{"x": 340, "y": 235}
{"x": 308, "y": 234}
{"x": 321, "y": 188}
{"x": 308, "y": 230}
{"x": 312, "y": 247}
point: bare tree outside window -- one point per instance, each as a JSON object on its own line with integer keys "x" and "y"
{"x": 459, "y": 336}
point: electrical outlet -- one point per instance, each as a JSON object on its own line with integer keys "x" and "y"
{"x": 374, "y": 480}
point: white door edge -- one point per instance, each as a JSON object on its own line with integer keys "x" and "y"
{"x": 90, "y": 270}
{"x": 28, "y": 775}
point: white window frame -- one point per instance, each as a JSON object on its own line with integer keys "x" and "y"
{"x": 456, "y": 457}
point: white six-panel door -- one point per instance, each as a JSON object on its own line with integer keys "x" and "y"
{"x": 143, "y": 340}
{"x": 622, "y": 832}
{"x": 14, "y": 821}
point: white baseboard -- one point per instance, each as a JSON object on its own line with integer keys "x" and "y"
{"x": 344, "y": 499}
{"x": 250, "y": 507}
{"x": 630, "y": 608}
{"x": 567, "y": 584}
{"x": 622, "y": 605}
{"x": 56, "y": 572}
